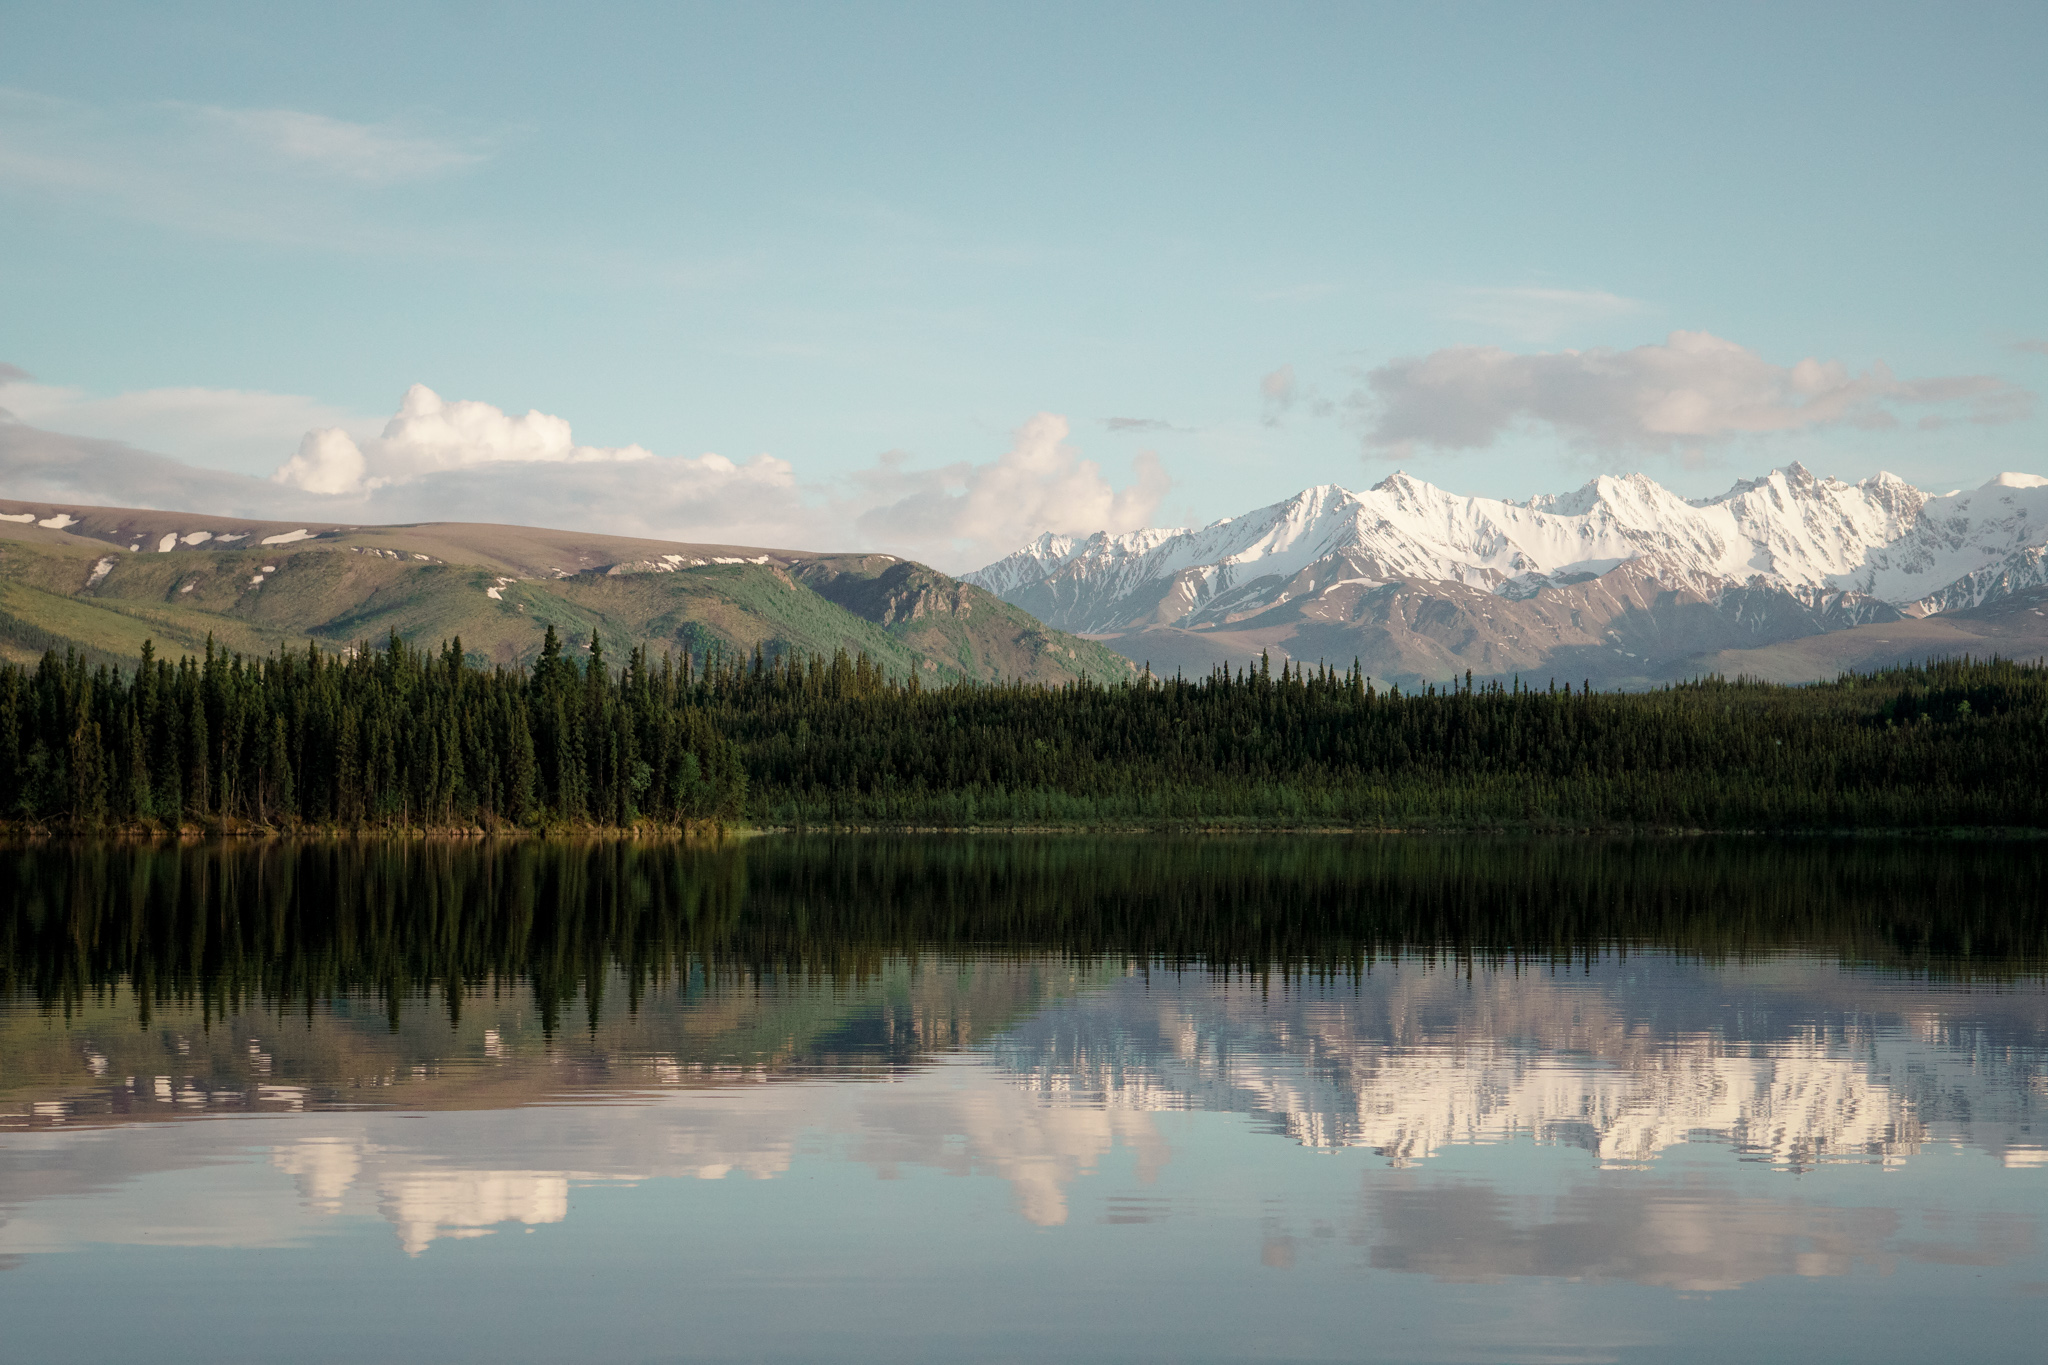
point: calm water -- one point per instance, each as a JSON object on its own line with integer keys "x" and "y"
{"x": 994, "y": 1099}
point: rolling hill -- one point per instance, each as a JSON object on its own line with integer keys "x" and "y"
{"x": 105, "y": 579}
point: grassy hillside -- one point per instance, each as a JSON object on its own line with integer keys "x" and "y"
{"x": 85, "y": 583}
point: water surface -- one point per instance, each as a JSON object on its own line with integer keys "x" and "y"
{"x": 863, "y": 1099}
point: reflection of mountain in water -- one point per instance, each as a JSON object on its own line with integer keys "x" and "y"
{"x": 1794, "y": 1003}
{"x": 1791, "y": 1062}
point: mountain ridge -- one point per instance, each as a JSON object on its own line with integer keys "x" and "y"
{"x": 1783, "y": 556}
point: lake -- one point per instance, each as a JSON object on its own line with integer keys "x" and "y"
{"x": 1020, "y": 1098}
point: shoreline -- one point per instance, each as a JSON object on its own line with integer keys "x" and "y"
{"x": 12, "y": 832}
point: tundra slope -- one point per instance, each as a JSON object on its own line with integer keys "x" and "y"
{"x": 1621, "y": 580}
{"x": 104, "y": 579}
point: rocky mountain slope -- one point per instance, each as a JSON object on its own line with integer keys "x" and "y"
{"x": 1621, "y": 580}
{"x": 106, "y": 579}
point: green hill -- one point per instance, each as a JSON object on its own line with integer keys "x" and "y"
{"x": 103, "y": 580}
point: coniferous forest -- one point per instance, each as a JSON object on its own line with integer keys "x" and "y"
{"x": 397, "y": 738}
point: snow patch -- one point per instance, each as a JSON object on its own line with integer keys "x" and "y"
{"x": 257, "y": 581}
{"x": 168, "y": 543}
{"x": 239, "y": 535}
{"x": 288, "y": 538}
{"x": 23, "y": 517}
{"x": 1811, "y": 537}
{"x": 59, "y": 521}
{"x": 99, "y": 571}
{"x": 189, "y": 586}
{"x": 197, "y": 537}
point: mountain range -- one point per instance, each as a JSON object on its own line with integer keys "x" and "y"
{"x": 1789, "y": 576}
{"x": 105, "y": 579}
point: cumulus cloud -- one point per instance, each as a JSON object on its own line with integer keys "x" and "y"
{"x": 429, "y": 435}
{"x": 974, "y": 513}
{"x": 1694, "y": 389}
{"x": 437, "y": 459}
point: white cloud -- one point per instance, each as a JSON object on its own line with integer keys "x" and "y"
{"x": 235, "y": 427}
{"x": 1694, "y": 389}
{"x": 249, "y": 174}
{"x": 430, "y": 435}
{"x": 378, "y": 153}
{"x": 1278, "y": 391}
{"x": 1539, "y": 314}
{"x": 437, "y": 459}
{"x": 973, "y": 513}
{"x": 327, "y": 462}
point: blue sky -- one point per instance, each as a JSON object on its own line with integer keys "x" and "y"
{"x": 1270, "y": 245}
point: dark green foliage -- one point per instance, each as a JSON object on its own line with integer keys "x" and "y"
{"x": 235, "y": 924}
{"x": 1960, "y": 743}
{"x": 391, "y": 739}
{"x": 400, "y": 738}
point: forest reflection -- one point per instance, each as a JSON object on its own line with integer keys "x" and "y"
{"x": 224, "y": 926}
{"x": 1041, "y": 1002}
{"x": 1396, "y": 993}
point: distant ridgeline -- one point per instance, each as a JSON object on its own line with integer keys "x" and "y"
{"x": 401, "y": 739}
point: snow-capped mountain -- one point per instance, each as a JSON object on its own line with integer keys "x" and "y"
{"x": 1773, "y": 558}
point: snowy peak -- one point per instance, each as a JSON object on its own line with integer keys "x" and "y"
{"x": 1790, "y": 531}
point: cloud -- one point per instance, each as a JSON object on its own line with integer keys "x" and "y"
{"x": 975, "y": 513}
{"x": 1538, "y": 314}
{"x": 430, "y": 435}
{"x": 437, "y": 459}
{"x": 1279, "y": 392}
{"x": 237, "y": 427}
{"x": 2031, "y": 347}
{"x": 1693, "y": 390}
{"x": 1138, "y": 424}
{"x": 377, "y": 153}
{"x": 249, "y": 174}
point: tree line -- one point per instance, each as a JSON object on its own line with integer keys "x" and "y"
{"x": 401, "y": 738}
{"x": 397, "y": 738}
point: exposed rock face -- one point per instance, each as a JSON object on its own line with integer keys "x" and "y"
{"x": 886, "y": 590}
{"x": 1621, "y": 573}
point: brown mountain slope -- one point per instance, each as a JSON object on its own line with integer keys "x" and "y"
{"x": 1622, "y": 629}
{"x": 106, "y": 579}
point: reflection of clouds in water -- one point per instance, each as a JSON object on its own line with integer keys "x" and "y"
{"x": 1416, "y": 1060}
{"x": 1002, "y": 1130}
{"x": 1677, "y": 1237}
{"x": 959, "y": 1118}
{"x": 1406, "y": 1062}
{"x": 424, "y": 1205}
{"x": 322, "y": 1167}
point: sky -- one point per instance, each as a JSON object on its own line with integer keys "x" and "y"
{"x": 936, "y": 279}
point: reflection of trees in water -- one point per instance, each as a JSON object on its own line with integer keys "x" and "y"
{"x": 221, "y": 925}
